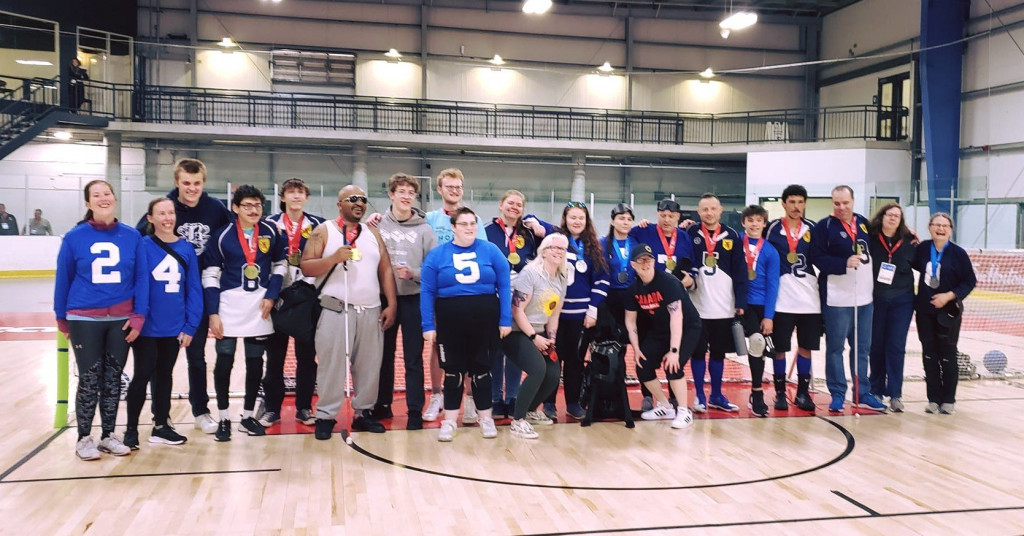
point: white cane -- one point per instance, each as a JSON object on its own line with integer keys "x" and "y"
{"x": 348, "y": 356}
{"x": 854, "y": 369}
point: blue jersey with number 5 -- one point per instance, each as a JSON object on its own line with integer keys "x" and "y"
{"x": 450, "y": 270}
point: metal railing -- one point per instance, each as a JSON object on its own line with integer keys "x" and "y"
{"x": 200, "y": 106}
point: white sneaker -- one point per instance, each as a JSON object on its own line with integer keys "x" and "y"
{"x": 447, "y": 432}
{"x": 206, "y": 423}
{"x": 684, "y": 419}
{"x": 469, "y": 416}
{"x": 538, "y": 417}
{"x": 659, "y": 412}
{"x": 434, "y": 408}
{"x": 488, "y": 429}
{"x": 113, "y": 445}
{"x": 86, "y": 449}
{"x": 699, "y": 408}
{"x": 522, "y": 428}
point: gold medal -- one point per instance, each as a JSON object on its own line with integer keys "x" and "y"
{"x": 751, "y": 274}
{"x": 514, "y": 258}
{"x": 293, "y": 259}
{"x": 791, "y": 257}
{"x": 251, "y": 271}
{"x": 710, "y": 261}
{"x": 356, "y": 254}
{"x": 670, "y": 264}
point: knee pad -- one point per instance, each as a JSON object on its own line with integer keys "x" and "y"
{"x": 481, "y": 383}
{"x": 453, "y": 380}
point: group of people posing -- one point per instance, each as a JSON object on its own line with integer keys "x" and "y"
{"x": 492, "y": 301}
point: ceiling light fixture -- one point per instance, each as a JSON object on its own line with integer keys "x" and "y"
{"x": 738, "y": 20}
{"x": 707, "y": 73}
{"x": 227, "y": 42}
{"x": 62, "y": 135}
{"x": 42, "y": 63}
{"x": 393, "y": 55}
{"x": 497, "y": 61}
{"x": 536, "y": 7}
{"x": 606, "y": 67}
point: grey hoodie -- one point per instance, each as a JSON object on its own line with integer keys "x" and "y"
{"x": 408, "y": 243}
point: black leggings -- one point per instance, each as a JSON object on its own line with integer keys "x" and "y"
{"x": 571, "y": 345}
{"x": 467, "y": 335}
{"x": 253, "y": 347}
{"x": 938, "y": 344}
{"x": 541, "y": 372}
{"x": 100, "y": 352}
{"x": 305, "y": 373}
{"x": 154, "y": 363}
{"x": 409, "y": 321}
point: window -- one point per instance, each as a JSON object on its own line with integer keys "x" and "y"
{"x": 317, "y": 68}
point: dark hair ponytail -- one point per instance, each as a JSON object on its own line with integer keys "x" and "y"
{"x": 150, "y": 230}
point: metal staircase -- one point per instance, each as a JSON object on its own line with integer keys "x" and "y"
{"x": 29, "y": 110}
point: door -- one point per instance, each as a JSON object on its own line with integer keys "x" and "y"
{"x": 893, "y": 103}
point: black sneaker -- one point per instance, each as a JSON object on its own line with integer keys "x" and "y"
{"x": 252, "y": 427}
{"x": 803, "y": 401}
{"x": 324, "y": 428}
{"x": 131, "y": 439}
{"x": 382, "y": 412}
{"x": 415, "y": 421}
{"x": 305, "y": 416}
{"x": 757, "y": 405}
{"x": 366, "y": 423}
{"x": 165, "y": 435}
{"x": 781, "y": 404}
{"x": 223, "y": 431}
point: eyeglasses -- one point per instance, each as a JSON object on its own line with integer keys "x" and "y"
{"x": 576, "y": 204}
{"x": 251, "y": 206}
{"x": 557, "y": 248}
{"x": 940, "y": 225}
{"x": 356, "y": 199}
{"x": 465, "y": 224}
{"x": 453, "y": 188}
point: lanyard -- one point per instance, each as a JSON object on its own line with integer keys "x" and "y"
{"x": 248, "y": 246}
{"x": 293, "y": 230}
{"x": 511, "y": 239}
{"x": 752, "y": 257}
{"x": 670, "y": 247}
{"x": 851, "y": 230}
{"x": 710, "y": 242}
{"x": 936, "y": 259}
{"x": 577, "y": 244}
{"x": 350, "y": 236}
{"x": 792, "y": 236}
{"x": 622, "y": 252}
{"x": 885, "y": 245}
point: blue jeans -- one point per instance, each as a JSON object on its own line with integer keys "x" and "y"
{"x": 838, "y": 331}
{"x": 889, "y": 343}
{"x": 505, "y": 376}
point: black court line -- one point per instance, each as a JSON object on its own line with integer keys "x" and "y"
{"x": 98, "y": 477}
{"x": 30, "y": 455}
{"x": 855, "y": 503}
{"x": 783, "y": 521}
{"x": 850, "y": 442}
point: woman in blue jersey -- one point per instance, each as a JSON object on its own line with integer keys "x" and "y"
{"x": 586, "y": 291}
{"x": 175, "y": 308}
{"x": 617, "y": 246}
{"x": 100, "y": 300}
{"x": 465, "y": 283}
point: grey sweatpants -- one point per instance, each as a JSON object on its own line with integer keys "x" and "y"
{"x": 366, "y": 349}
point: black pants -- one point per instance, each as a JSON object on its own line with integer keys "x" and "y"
{"x": 467, "y": 335}
{"x": 198, "y": 397}
{"x": 409, "y": 320}
{"x": 571, "y": 343}
{"x": 154, "y": 365}
{"x": 253, "y": 347}
{"x": 541, "y": 372}
{"x": 938, "y": 343}
{"x": 305, "y": 373}
{"x": 100, "y": 353}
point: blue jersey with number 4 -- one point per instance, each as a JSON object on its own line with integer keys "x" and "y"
{"x": 175, "y": 291}
{"x": 450, "y": 270}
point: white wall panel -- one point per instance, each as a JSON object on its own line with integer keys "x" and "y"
{"x": 726, "y": 94}
{"x": 871, "y": 25}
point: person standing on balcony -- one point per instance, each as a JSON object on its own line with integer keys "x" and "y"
{"x": 8, "y": 223}
{"x": 76, "y": 87}
{"x": 38, "y": 225}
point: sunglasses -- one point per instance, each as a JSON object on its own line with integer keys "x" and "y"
{"x": 576, "y": 204}
{"x": 356, "y": 199}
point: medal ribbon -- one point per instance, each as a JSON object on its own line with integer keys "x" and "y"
{"x": 510, "y": 238}
{"x": 350, "y": 236}
{"x": 792, "y": 237}
{"x": 885, "y": 245}
{"x": 752, "y": 257}
{"x": 851, "y": 230}
{"x": 248, "y": 248}
{"x": 936, "y": 259}
{"x": 710, "y": 242}
{"x": 293, "y": 230}
{"x": 623, "y": 257}
{"x": 577, "y": 244}
{"x": 670, "y": 247}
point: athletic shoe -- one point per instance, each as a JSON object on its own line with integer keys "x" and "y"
{"x": 722, "y": 403}
{"x": 305, "y": 416}
{"x": 366, "y": 423}
{"x": 684, "y": 419}
{"x": 757, "y": 405}
{"x": 131, "y": 439}
{"x": 576, "y": 411}
{"x": 488, "y": 429}
{"x": 469, "y": 416}
{"x": 447, "y": 432}
{"x": 947, "y": 409}
{"x": 206, "y": 424}
{"x": 434, "y": 407}
{"x": 803, "y": 401}
{"x": 112, "y": 445}
{"x": 537, "y": 417}
{"x": 270, "y": 418}
{"x": 550, "y": 411}
{"x": 165, "y": 435}
{"x": 223, "y": 431}
{"x": 522, "y": 428}
{"x": 415, "y": 421}
{"x": 251, "y": 426}
{"x": 700, "y": 404}
{"x": 86, "y": 449}
{"x": 647, "y": 404}
{"x": 896, "y": 404}
{"x": 659, "y": 413}
{"x": 837, "y": 404}
{"x": 781, "y": 404}
{"x": 869, "y": 401}
{"x": 382, "y": 412}
{"x": 324, "y": 429}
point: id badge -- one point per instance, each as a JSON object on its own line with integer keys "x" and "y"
{"x": 886, "y": 273}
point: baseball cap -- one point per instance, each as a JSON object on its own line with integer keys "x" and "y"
{"x": 640, "y": 250}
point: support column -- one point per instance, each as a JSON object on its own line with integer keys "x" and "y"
{"x": 359, "y": 166}
{"x": 113, "y": 175}
{"x": 579, "y": 177}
